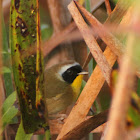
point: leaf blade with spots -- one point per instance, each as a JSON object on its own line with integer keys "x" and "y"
{"x": 27, "y": 62}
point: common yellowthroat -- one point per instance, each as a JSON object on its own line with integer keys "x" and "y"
{"x": 62, "y": 85}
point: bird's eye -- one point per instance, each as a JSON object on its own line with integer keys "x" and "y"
{"x": 70, "y": 72}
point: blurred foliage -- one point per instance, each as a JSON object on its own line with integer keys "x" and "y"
{"x": 9, "y": 110}
{"x": 21, "y": 134}
{"x": 133, "y": 116}
{"x": 7, "y": 72}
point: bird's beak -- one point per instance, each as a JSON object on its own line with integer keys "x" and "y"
{"x": 83, "y": 73}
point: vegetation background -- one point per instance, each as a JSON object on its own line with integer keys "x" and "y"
{"x": 62, "y": 40}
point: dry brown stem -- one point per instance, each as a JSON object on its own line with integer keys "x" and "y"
{"x": 114, "y": 18}
{"x": 115, "y": 45}
{"x": 106, "y": 36}
{"x": 121, "y": 98}
{"x": 6, "y": 9}
{"x": 64, "y": 35}
{"x": 95, "y": 4}
{"x": 57, "y": 39}
{"x": 89, "y": 57}
{"x": 108, "y": 7}
{"x": 90, "y": 41}
{"x": 86, "y": 127}
{"x": 87, "y": 96}
{"x": 63, "y": 52}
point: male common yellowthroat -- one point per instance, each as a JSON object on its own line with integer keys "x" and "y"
{"x": 62, "y": 85}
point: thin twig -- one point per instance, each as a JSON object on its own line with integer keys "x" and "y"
{"x": 89, "y": 57}
{"x": 91, "y": 42}
{"x": 57, "y": 39}
{"x": 112, "y": 42}
{"x": 95, "y": 4}
{"x": 108, "y": 7}
{"x": 55, "y": 15}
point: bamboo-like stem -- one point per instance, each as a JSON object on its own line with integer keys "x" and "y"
{"x": 90, "y": 41}
{"x": 108, "y": 7}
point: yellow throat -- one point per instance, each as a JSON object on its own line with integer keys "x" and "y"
{"x": 76, "y": 86}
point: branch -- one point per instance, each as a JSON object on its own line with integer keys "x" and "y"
{"x": 108, "y": 7}
{"x": 90, "y": 41}
{"x": 86, "y": 127}
{"x": 88, "y": 95}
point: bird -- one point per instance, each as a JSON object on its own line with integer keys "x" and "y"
{"x": 62, "y": 85}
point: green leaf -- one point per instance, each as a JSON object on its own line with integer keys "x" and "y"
{"x": 83, "y": 85}
{"x": 27, "y": 62}
{"x": 138, "y": 89}
{"x": 21, "y": 134}
{"x": 135, "y": 116}
{"x": 6, "y": 70}
{"x": 46, "y": 31}
{"x": 9, "y": 102}
{"x": 9, "y": 115}
{"x": 8, "y": 83}
{"x": 47, "y": 135}
{"x": 9, "y": 111}
{"x": 87, "y": 3}
{"x": 115, "y": 1}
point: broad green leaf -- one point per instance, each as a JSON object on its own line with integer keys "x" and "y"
{"x": 27, "y": 63}
{"x": 21, "y": 134}
{"x": 9, "y": 115}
